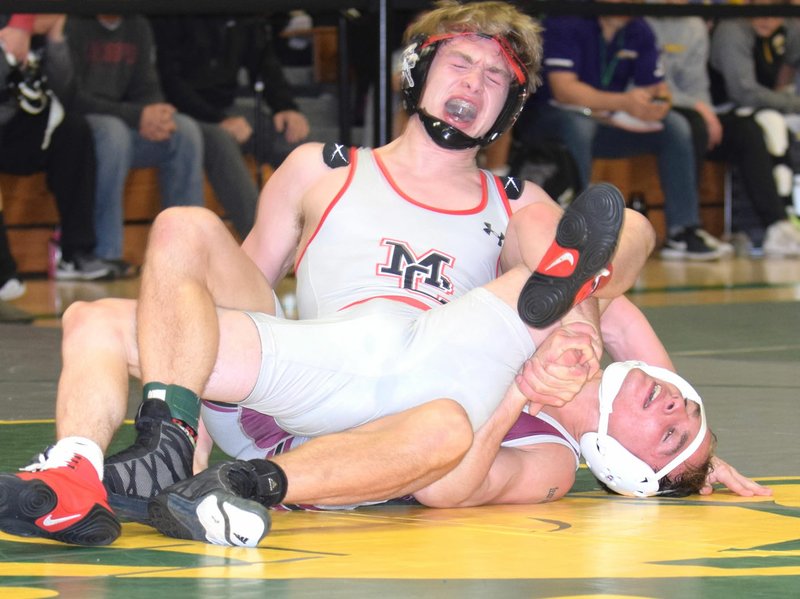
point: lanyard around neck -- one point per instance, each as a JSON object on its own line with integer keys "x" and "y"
{"x": 607, "y": 67}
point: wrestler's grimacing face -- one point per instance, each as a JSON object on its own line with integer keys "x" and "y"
{"x": 467, "y": 83}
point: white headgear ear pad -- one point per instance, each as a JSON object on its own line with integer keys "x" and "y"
{"x": 608, "y": 460}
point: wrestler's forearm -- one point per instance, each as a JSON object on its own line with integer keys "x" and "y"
{"x": 477, "y": 480}
{"x": 628, "y": 335}
{"x": 390, "y": 457}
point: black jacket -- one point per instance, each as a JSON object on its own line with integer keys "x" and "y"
{"x": 199, "y": 59}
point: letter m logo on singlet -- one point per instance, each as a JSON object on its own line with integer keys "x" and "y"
{"x": 420, "y": 274}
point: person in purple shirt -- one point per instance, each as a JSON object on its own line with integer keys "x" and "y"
{"x": 604, "y": 96}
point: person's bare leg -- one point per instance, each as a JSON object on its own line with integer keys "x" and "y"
{"x": 192, "y": 265}
{"x": 530, "y": 233}
{"x": 390, "y": 457}
{"x": 98, "y": 352}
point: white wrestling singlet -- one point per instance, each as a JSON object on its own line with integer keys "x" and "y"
{"x": 375, "y": 241}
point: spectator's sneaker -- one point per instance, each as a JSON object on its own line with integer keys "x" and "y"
{"x": 216, "y": 506}
{"x": 688, "y": 244}
{"x": 120, "y": 269}
{"x": 82, "y": 267}
{"x": 60, "y": 498}
{"x": 793, "y": 218}
{"x": 782, "y": 240}
{"x": 12, "y": 289}
{"x": 161, "y": 456}
{"x": 726, "y": 250}
{"x": 571, "y": 269}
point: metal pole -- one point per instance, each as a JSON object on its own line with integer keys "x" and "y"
{"x": 258, "y": 92}
{"x": 345, "y": 108}
{"x": 383, "y": 85}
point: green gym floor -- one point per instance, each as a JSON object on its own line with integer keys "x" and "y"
{"x": 733, "y": 330}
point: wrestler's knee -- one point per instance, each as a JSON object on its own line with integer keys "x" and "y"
{"x": 639, "y": 227}
{"x": 108, "y": 323}
{"x": 182, "y": 229}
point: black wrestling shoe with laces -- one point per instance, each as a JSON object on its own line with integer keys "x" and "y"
{"x": 577, "y": 261}
{"x": 161, "y": 456}
{"x": 219, "y": 506}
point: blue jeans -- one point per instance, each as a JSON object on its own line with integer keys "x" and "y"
{"x": 120, "y": 148}
{"x": 586, "y": 138}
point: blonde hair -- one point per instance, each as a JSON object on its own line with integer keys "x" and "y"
{"x": 494, "y": 19}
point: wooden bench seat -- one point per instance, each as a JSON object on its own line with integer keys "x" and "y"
{"x": 31, "y": 215}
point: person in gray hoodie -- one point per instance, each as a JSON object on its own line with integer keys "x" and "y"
{"x": 727, "y": 135}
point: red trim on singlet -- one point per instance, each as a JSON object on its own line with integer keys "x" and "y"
{"x": 350, "y": 174}
{"x": 503, "y": 195}
{"x": 414, "y": 303}
{"x": 484, "y": 192}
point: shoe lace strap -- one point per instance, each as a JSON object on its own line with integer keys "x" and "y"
{"x": 37, "y": 463}
{"x": 52, "y": 457}
{"x": 66, "y": 452}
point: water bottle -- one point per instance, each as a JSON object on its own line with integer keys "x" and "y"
{"x": 53, "y": 253}
{"x": 637, "y": 202}
{"x": 796, "y": 194}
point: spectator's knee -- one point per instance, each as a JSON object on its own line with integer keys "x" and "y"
{"x": 112, "y": 137}
{"x": 188, "y": 134}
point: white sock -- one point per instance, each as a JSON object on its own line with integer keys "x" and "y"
{"x": 68, "y": 446}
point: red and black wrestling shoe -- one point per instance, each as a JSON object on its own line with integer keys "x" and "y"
{"x": 578, "y": 261}
{"x": 60, "y": 498}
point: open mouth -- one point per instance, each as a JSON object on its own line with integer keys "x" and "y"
{"x": 460, "y": 110}
{"x": 653, "y": 394}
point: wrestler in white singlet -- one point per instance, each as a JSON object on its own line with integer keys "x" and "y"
{"x": 420, "y": 255}
{"x": 375, "y": 241}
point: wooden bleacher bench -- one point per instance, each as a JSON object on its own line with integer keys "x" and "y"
{"x": 31, "y": 215}
{"x": 640, "y": 174}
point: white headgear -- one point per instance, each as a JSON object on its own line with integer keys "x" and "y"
{"x": 608, "y": 460}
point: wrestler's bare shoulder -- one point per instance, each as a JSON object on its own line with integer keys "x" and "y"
{"x": 532, "y": 194}
{"x": 307, "y": 166}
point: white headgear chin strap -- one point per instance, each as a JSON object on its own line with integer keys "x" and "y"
{"x": 608, "y": 460}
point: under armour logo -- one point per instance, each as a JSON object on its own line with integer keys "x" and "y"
{"x": 489, "y": 231}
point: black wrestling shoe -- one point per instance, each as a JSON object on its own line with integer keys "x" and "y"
{"x": 161, "y": 456}
{"x": 217, "y": 506}
{"x": 574, "y": 264}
